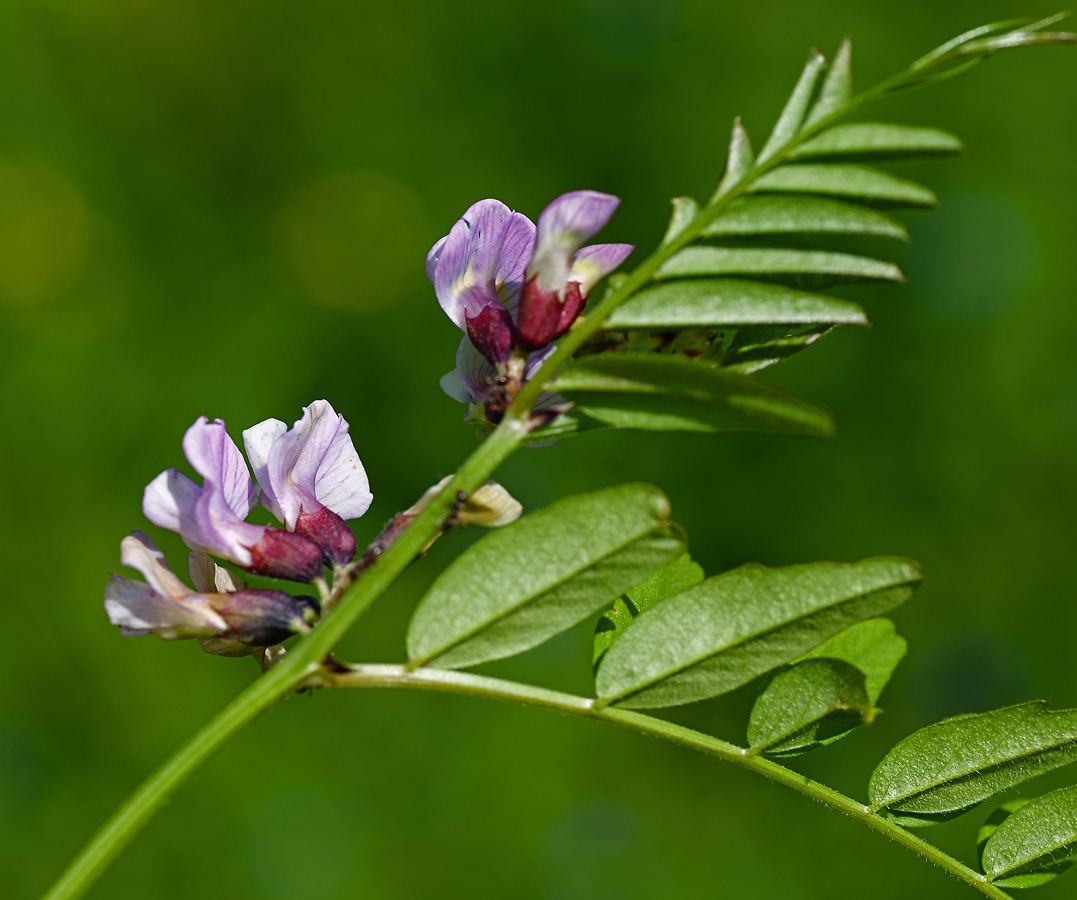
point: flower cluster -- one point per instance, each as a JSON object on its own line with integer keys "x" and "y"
{"x": 308, "y": 476}
{"x": 514, "y": 288}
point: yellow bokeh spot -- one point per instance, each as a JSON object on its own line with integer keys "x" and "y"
{"x": 354, "y": 239}
{"x": 44, "y": 234}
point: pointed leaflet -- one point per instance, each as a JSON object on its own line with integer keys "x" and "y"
{"x": 722, "y": 302}
{"x": 874, "y": 647}
{"x": 944, "y": 769}
{"x": 810, "y": 268}
{"x": 874, "y": 141}
{"x": 1033, "y": 843}
{"x": 837, "y": 88}
{"x": 670, "y": 393}
{"x": 796, "y": 106}
{"x": 724, "y": 632}
{"x": 762, "y": 346}
{"x": 795, "y": 214}
{"x": 740, "y": 159}
{"x": 684, "y": 210}
{"x": 827, "y": 694}
{"x": 524, "y": 583}
{"x": 680, "y": 574}
{"x": 840, "y": 180}
{"x": 808, "y": 705}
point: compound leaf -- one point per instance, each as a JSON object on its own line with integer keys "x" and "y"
{"x": 841, "y": 180}
{"x": 524, "y": 583}
{"x": 680, "y": 574}
{"x": 808, "y": 268}
{"x": 671, "y": 393}
{"x": 724, "y": 302}
{"x": 796, "y": 107}
{"x": 874, "y": 647}
{"x": 729, "y": 629}
{"x": 875, "y": 141}
{"x": 767, "y": 214}
{"x": 1028, "y": 843}
{"x": 945, "y": 769}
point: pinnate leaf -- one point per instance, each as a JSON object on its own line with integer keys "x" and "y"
{"x": 875, "y": 141}
{"x": 945, "y": 769}
{"x": 740, "y": 158}
{"x": 759, "y": 347}
{"x": 796, "y": 107}
{"x": 808, "y": 705}
{"x": 840, "y": 180}
{"x": 680, "y": 574}
{"x": 767, "y": 214}
{"x": 837, "y": 87}
{"x": 1030, "y": 842}
{"x": 874, "y": 647}
{"x": 810, "y": 268}
{"x": 671, "y": 393}
{"x": 723, "y": 302}
{"x": 729, "y": 629}
{"x": 684, "y": 210}
{"x": 551, "y": 569}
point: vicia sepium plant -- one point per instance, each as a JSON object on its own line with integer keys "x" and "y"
{"x": 672, "y": 345}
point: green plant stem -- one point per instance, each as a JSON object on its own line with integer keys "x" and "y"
{"x": 398, "y": 676}
{"x": 283, "y": 679}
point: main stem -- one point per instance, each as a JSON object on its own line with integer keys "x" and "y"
{"x": 395, "y": 676}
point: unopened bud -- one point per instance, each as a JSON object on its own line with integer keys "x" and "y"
{"x": 263, "y": 618}
{"x": 281, "y": 554}
{"x": 544, "y": 315}
{"x": 330, "y": 532}
{"x": 489, "y": 506}
{"x": 491, "y": 333}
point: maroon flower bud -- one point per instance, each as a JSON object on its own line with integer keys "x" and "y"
{"x": 264, "y": 618}
{"x": 491, "y": 333}
{"x": 281, "y": 554}
{"x": 538, "y": 315}
{"x": 330, "y": 532}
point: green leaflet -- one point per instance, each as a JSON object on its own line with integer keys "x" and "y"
{"x": 723, "y": 302}
{"x": 684, "y": 210}
{"x": 831, "y": 691}
{"x": 762, "y": 346}
{"x": 796, "y": 107}
{"x": 740, "y": 159}
{"x": 874, "y": 141}
{"x": 839, "y": 180}
{"x": 874, "y": 647}
{"x": 524, "y": 583}
{"x": 724, "y": 632}
{"x": 808, "y": 705}
{"x": 1028, "y": 843}
{"x": 680, "y": 574}
{"x": 802, "y": 214}
{"x": 804, "y": 268}
{"x": 670, "y": 393}
{"x": 945, "y": 769}
{"x": 838, "y": 86}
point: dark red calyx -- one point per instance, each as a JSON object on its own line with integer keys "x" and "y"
{"x": 330, "y": 532}
{"x": 281, "y": 554}
{"x": 491, "y": 333}
{"x": 264, "y": 618}
{"x": 570, "y": 312}
{"x": 538, "y": 316}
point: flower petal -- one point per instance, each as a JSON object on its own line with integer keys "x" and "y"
{"x": 315, "y": 465}
{"x": 453, "y": 385}
{"x": 592, "y": 264}
{"x": 139, "y": 552}
{"x": 432, "y": 258}
{"x": 140, "y": 610}
{"x": 209, "y": 578}
{"x": 563, "y": 227}
{"x": 169, "y": 498}
{"x": 258, "y": 440}
{"x": 481, "y": 261}
{"x": 474, "y": 368}
{"x": 215, "y": 456}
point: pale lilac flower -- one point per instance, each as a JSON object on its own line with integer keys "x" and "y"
{"x": 471, "y": 380}
{"x": 165, "y": 606}
{"x": 562, "y": 272}
{"x": 311, "y": 477}
{"x": 210, "y": 517}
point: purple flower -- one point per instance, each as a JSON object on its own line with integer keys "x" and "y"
{"x": 311, "y": 478}
{"x": 561, "y": 275}
{"x": 508, "y": 290}
{"x": 211, "y": 517}
{"x": 165, "y": 606}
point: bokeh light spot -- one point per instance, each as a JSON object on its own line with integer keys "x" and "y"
{"x": 44, "y": 234}
{"x": 352, "y": 239}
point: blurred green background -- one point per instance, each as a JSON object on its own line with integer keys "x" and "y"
{"x": 222, "y": 208}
